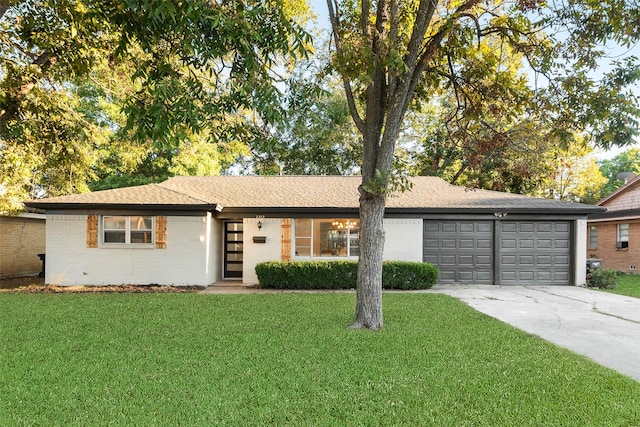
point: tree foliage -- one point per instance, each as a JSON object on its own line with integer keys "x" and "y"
{"x": 316, "y": 136}
{"x": 185, "y": 67}
{"x": 626, "y": 161}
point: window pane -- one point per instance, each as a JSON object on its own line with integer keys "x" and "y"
{"x": 302, "y": 230}
{"x": 234, "y": 247}
{"x": 114, "y": 237}
{"x": 593, "y": 236}
{"x": 141, "y": 237}
{"x": 234, "y": 237}
{"x": 623, "y": 232}
{"x": 303, "y": 251}
{"x": 141, "y": 223}
{"x": 234, "y": 226}
{"x": 354, "y": 241}
{"x": 332, "y": 236}
{"x": 115, "y": 222}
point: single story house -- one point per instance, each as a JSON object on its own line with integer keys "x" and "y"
{"x": 22, "y": 238}
{"x": 199, "y": 230}
{"x": 614, "y": 235}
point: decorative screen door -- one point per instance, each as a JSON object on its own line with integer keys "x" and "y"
{"x": 232, "y": 249}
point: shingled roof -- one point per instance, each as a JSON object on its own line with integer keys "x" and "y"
{"x": 280, "y": 192}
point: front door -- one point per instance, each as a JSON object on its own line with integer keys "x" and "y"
{"x": 232, "y": 249}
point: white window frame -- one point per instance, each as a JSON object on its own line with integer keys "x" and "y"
{"x": 593, "y": 236}
{"x": 622, "y": 236}
{"x": 350, "y": 236}
{"x": 127, "y": 232}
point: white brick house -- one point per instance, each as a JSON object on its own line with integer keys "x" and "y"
{"x": 200, "y": 230}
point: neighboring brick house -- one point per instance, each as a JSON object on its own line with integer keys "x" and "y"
{"x": 614, "y": 235}
{"x": 22, "y": 238}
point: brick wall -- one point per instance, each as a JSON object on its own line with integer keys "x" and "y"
{"x": 22, "y": 238}
{"x": 627, "y": 259}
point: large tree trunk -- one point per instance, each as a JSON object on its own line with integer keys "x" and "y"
{"x": 369, "y": 285}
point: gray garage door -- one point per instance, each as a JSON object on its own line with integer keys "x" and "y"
{"x": 462, "y": 250}
{"x": 534, "y": 252}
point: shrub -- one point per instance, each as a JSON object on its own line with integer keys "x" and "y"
{"x": 408, "y": 275}
{"x": 342, "y": 275}
{"x": 604, "y": 278}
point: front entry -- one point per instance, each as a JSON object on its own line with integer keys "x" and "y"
{"x": 232, "y": 249}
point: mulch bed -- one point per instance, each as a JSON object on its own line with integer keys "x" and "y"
{"x": 35, "y": 285}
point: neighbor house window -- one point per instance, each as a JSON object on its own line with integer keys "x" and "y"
{"x": 623, "y": 236}
{"x": 593, "y": 236}
{"x": 336, "y": 237}
{"x": 128, "y": 230}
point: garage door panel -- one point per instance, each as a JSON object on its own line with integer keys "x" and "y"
{"x": 544, "y": 243}
{"x": 545, "y": 227}
{"x": 466, "y": 260}
{"x": 448, "y": 244}
{"x": 527, "y": 275}
{"x": 484, "y": 243}
{"x": 448, "y": 260}
{"x": 526, "y": 227}
{"x": 465, "y": 276}
{"x": 508, "y": 260}
{"x": 447, "y": 275}
{"x": 508, "y": 227}
{"x": 449, "y": 227}
{"x": 430, "y": 243}
{"x": 484, "y": 260}
{"x": 526, "y": 243}
{"x": 431, "y": 259}
{"x": 527, "y": 260}
{"x": 467, "y": 243}
{"x": 467, "y": 227}
{"x": 509, "y": 243}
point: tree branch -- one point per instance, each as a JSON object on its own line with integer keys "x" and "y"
{"x": 335, "y": 26}
{"x": 44, "y": 62}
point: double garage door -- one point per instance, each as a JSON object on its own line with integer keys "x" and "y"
{"x": 499, "y": 252}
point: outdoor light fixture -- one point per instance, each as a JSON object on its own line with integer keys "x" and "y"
{"x": 259, "y": 225}
{"x": 500, "y": 214}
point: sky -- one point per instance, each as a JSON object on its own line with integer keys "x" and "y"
{"x": 614, "y": 53}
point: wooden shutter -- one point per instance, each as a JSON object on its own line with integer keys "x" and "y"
{"x": 92, "y": 231}
{"x": 161, "y": 232}
{"x": 286, "y": 239}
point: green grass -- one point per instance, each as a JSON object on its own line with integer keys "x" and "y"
{"x": 288, "y": 359}
{"x": 629, "y": 285}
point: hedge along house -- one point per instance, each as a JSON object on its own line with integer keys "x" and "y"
{"x": 199, "y": 230}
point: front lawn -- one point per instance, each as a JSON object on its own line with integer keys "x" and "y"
{"x": 629, "y": 285}
{"x": 288, "y": 359}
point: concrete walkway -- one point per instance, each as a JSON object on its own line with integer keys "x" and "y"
{"x": 602, "y": 326}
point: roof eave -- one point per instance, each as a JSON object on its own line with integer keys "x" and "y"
{"x": 105, "y": 206}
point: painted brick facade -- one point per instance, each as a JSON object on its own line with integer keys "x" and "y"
{"x": 187, "y": 259}
{"x": 22, "y": 238}
{"x": 626, "y": 259}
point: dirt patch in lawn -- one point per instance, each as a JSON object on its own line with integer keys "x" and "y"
{"x": 35, "y": 285}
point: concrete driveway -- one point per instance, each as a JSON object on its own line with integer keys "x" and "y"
{"x": 602, "y": 326}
